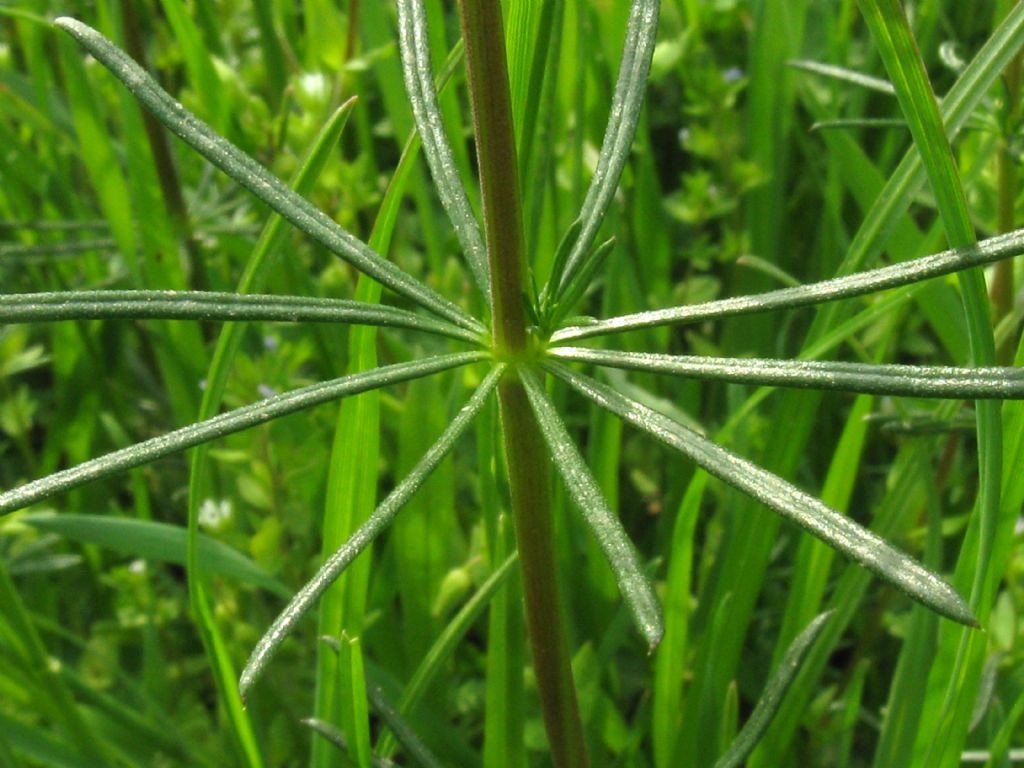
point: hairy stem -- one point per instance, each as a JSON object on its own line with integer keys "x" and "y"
{"x": 499, "y": 176}
{"x": 528, "y": 473}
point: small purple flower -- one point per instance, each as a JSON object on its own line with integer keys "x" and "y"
{"x": 266, "y": 390}
{"x": 270, "y": 343}
{"x": 732, "y": 74}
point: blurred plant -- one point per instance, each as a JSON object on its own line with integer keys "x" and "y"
{"x": 530, "y": 335}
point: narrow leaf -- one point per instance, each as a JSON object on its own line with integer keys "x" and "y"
{"x": 364, "y": 535}
{"x": 618, "y": 138}
{"x": 845, "y": 75}
{"x": 215, "y": 306}
{"x": 257, "y": 179}
{"x": 985, "y": 252}
{"x": 636, "y": 589}
{"x": 413, "y": 744}
{"x": 160, "y": 542}
{"x": 337, "y": 738}
{"x": 811, "y": 514}
{"x": 226, "y": 424}
{"x": 416, "y": 67}
{"x": 443, "y": 647}
{"x": 904, "y": 380}
{"x": 771, "y": 699}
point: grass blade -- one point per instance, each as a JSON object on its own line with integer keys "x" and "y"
{"x": 845, "y": 75}
{"x": 882, "y": 379}
{"x": 406, "y": 736}
{"x": 417, "y": 69}
{"x": 443, "y": 647}
{"x": 945, "y": 735}
{"x": 634, "y": 585}
{"x": 161, "y": 542}
{"x": 254, "y": 177}
{"x": 770, "y": 700}
{"x": 812, "y": 515}
{"x": 366, "y": 533}
{"x": 953, "y": 260}
{"x": 215, "y": 306}
{"x": 226, "y": 424}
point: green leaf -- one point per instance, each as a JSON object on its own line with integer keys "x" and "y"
{"x": 627, "y": 100}
{"x": 903, "y": 380}
{"x": 417, "y": 69}
{"x": 337, "y": 738}
{"x": 634, "y": 585}
{"x": 257, "y": 179}
{"x": 953, "y": 260}
{"x": 811, "y": 514}
{"x": 161, "y": 542}
{"x": 845, "y": 75}
{"x": 440, "y": 652}
{"x": 364, "y": 535}
{"x": 228, "y": 343}
{"x": 216, "y": 306}
{"x": 226, "y": 424}
{"x": 770, "y": 700}
{"x": 406, "y": 736}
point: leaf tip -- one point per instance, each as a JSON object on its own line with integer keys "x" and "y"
{"x": 246, "y": 680}
{"x": 954, "y": 607}
{"x": 68, "y": 24}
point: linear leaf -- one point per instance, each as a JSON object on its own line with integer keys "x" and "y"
{"x": 434, "y": 660}
{"x": 618, "y": 138}
{"x": 407, "y": 737}
{"x": 953, "y": 260}
{"x": 337, "y": 738}
{"x": 845, "y": 75}
{"x": 416, "y": 67}
{"x": 365, "y": 534}
{"x": 257, "y": 179}
{"x": 252, "y": 280}
{"x": 944, "y": 729}
{"x": 810, "y": 513}
{"x": 216, "y": 306}
{"x": 906, "y": 380}
{"x": 636, "y": 589}
{"x": 161, "y": 542}
{"x": 226, "y": 424}
{"x": 770, "y": 700}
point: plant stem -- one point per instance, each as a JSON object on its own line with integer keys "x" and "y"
{"x": 499, "y": 177}
{"x": 528, "y": 469}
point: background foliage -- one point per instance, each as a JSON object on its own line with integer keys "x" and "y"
{"x": 748, "y": 173}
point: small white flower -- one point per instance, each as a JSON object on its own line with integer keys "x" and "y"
{"x": 213, "y": 514}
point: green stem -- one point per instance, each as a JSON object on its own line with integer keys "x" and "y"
{"x": 528, "y": 468}
{"x": 499, "y": 176}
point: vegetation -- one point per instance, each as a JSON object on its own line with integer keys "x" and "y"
{"x": 480, "y": 556}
